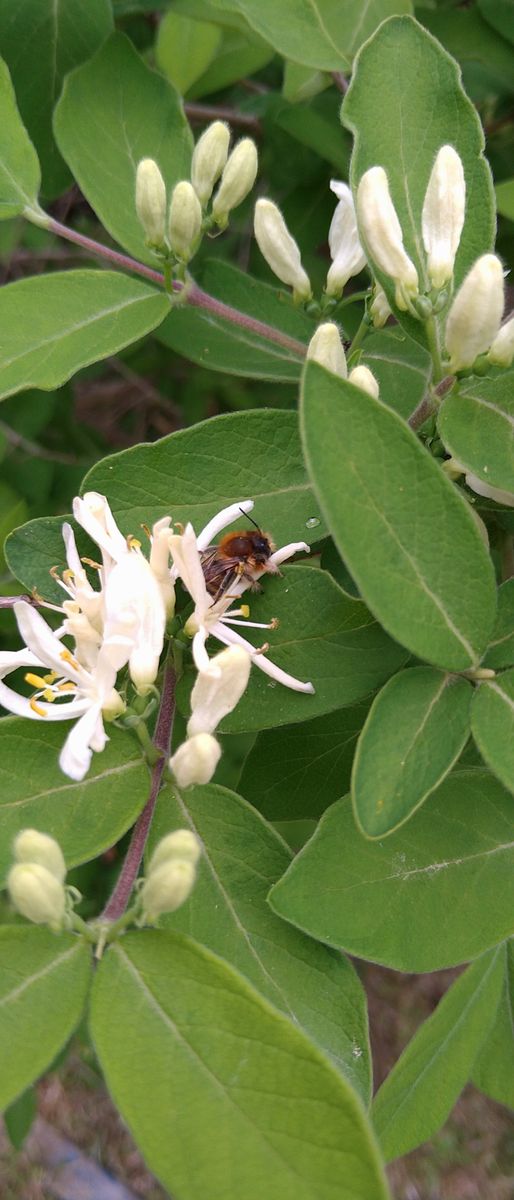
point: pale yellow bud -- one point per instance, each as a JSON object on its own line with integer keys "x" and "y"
{"x": 280, "y": 249}
{"x": 501, "y": 353}
{"x": 237, "y": 180}
{"x": 182, "y": 844}
{"x": 475, "y": 315}
{"x": 36, "y": 894}
{"x": 380, "y": 309}
{"x": 364, "y": 379}
{"x": 151, "y": 201}
{"x": 196, "y": 760}
{"x": 30, "y": 846}
{"x": 185, "y": 220}
{"x": 167, "y": 888}
{"x": 113, "y": 705}
{"x": 382, "y": 233}
{"x": 443, "y": 214}
{"x": 209, "y": 158}
{"x": 326, "y": 348}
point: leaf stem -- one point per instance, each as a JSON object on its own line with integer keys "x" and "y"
{"x": 433, "y": 346}
{"x": 359, "y": 336}
{"x": 97, "y": 248}
{"x": 217, "y": 112}
{"x": 119, "y": 899}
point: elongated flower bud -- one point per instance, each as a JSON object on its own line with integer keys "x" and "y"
{"x": 151, "y": 201}
{"x": 343, "y": 238}
{"x": 185, "y": 220}
{"x": 30, "y": 846}
{"x": 501, "y": 353}
{"x": 180, "y": 845}
{"x": 280, "y": 249}
{"x": 475, "y": 315}
{"x": 382, "y": 233}
{"x": 326, "y": 348}
{"x": 237, "y": 180}
{"x": 363, "y": 378}
{"x": 209, "y": 158}
{"x": 167, "y": 888}
{"x": 443, "y": 214}
{"x": 196, "y": 760}
{"x": 380, "y": 309}
{"x": 218, "y": 689}
{"x": 36, "y": 894}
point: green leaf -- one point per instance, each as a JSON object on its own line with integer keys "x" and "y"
{"x": 492, "y": 723}
{"x": 406, "y": 535}
{"x": 13, "y": 511}
{"x": 318, "y": 33}
{"x": 499, "y": 14}
{"x": 43, "y": 986}
{"x": 223, "y": 1094}
{"x": 113, "y": 112}
{"x": 437, "y": 893}
{"x": 505, "y": 198}
{"x": 59, "y": 323}
{"x": 401, "y": 75}
{"x": 401, "y": 366}
{"x": 19, "y": 1117}
{"x": 295, "y": 773}
{"x": 41, "y": 41}
{"x": 303, "y": 83}
{"x": 470, "y": 39}
{"x": 227, "y": 912}
{"x": 86, "y": 817}
{"x": 212, "y": 341}
{"x": 493, "y": 1071}
{"x": 476, "y": 424}
{"x": 20, "y": 175}
{"x": 416, "y": 729}
{"x": 314, "y": 125}
{"x": 237, "y": 57}
{"x": 184, "y": 48}
{"x": 424, "y": 1084}
{"x": 501, "y": 647}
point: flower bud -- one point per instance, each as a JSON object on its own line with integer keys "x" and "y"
{"x": 326, "y": 348}
{"x": 443, "y": 214}
{"x": 182, "y": 844}
{"x": 167, "y": 888}
{"x": 185, "y": 220}
{"x": 501, "y": 353}
{"x": 363, "y": 378}
{"x": 218, "y": 689}
{"x": 30, "y": 846}
{"x": 280, "y": 249}
{"x": 36, "y": 894}
{"x": 474, "y": 317}
{"x": 209, "y": 158}
{"x": 343, "y": 239}
{"x": 237, "y": 180}
{"x": 196, "y": 760}
{"x": 490, "y": 493}
{"x": 113, "y": 706}
{"x": 382, "y": 233}
{"x": 151, "y": 201}
{"x": 380, "y": 308}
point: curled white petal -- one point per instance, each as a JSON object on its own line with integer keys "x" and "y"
{"x": 225, "y": 517}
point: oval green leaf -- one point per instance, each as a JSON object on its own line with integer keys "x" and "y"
{"x": 493, "y": 1071}
{"x": 43, "y": 986}
{"x": 20, "y": 175}
{"x": 61, "y": 322}
{"x": 416, "y": 729}
{"x": 242, "y": 857}
{"x": 404, "y": 532}
{"x": 437, "y": 893}
{"x": 113, "y": 112}
{"x": 476, "y": 424}
{"x": 500, "y": 652}
{"x": 223, "y": 1094}
{"x": 492, "y": 724}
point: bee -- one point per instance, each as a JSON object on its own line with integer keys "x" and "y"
{"x": 239, "y": 556}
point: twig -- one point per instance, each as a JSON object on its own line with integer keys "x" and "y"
{"x": 22, "y": 443}
{"x": 422, "y": 412}
{"x": 207, "y": 112}
{"x": 119, "y": 899}
{"x": 340, "y": 81}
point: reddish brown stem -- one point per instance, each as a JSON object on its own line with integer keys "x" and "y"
{"x": 208, "y": 112}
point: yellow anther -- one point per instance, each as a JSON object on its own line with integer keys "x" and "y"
{"x": 67, "y": 657}
{"x": 90, "y": 562}
{"x": 245, "y": 611}
{"x": 49, "y": 696}
{"x": 37, "y": 708}
{"x": 36, "y": 681}
{"x": 178, "y": 525}
{"x": 262, "y": 649}
{"x": 68, "y": 686}
{"x": 68, "y": 575}
{"x": 147, "y": 530}
{"x": 133, "y": 543}
{"x": 54, "y": 572}
{"x": 274, "y": 623}
{"x": 51, "y": 677}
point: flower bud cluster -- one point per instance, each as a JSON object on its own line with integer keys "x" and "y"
{"x": 171, "y": 875}
{"x": 36, "y": 880}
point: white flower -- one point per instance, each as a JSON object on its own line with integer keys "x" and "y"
{"x": 216, "y": 619}
{"x": 66, "y": 692}
{"x": 135, "y": 610}
{"x": 443, "y": 214}
{"x": 502, "y": 349}
{"x": 363, "y": 378}
{"x": 280, "y": 249}
{"x": 348, "y": 257}
{"x": 475, "y": 315}
{"x": 196, "y": 760}
{"x": 218, "y": 689}
{"x": 379, "y": 224}
{"x": 326, "y": 348}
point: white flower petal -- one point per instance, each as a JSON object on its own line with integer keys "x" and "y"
{"x": 93, "y": 512}
{"x": 225, "y": 517}
{"x": 285, "y": 552}
{"x": 187, "y": 561}
{"x": 231, "y": 638}
{"x": 40, "y": 639}
{"x": 76, "y": 754}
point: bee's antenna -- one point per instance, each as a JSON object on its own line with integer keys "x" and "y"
{"x": 249, "y": 518}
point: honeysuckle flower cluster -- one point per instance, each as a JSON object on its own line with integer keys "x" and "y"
{"x": 121, "y": 626}
{"x": 174, "y": 230}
